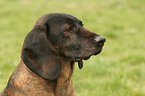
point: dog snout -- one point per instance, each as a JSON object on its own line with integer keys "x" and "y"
{"x": 100, "y": 40}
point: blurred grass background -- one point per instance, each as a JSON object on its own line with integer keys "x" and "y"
{"x": 118, "y": 71}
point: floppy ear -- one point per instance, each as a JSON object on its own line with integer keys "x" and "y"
{"x": 38, "y": 54}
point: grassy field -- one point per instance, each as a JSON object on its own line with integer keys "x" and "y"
{"x": 118, "y": 71}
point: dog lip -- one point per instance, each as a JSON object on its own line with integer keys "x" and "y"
{"x": 87, "y": 57}
{"x": 78, "y": 59}
{"x": 98, "y": 52}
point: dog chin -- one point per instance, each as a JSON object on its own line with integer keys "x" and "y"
{"x": 86, "y": 58}
{"x": 80, "y": 59}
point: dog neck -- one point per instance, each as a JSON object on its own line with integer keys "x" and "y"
{"x": 67, "y": 67}
{"x": 64, "y": 81}
{"x": 27, "y": 81}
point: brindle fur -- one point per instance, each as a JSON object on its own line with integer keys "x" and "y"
{"x": 24, "y": 82}
{"x": 48, "y": 55}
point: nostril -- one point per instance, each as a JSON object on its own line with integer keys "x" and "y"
{"x": 100, "y": 40}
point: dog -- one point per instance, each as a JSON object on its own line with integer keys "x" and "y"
{"x": 48, "y": 55}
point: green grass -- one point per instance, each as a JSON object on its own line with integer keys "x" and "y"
{"x": 118, "y": 71}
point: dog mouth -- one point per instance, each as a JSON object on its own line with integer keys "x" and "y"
{"x": 80, "y": 59}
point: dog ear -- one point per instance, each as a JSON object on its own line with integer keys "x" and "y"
{"x": 38, "y": 54}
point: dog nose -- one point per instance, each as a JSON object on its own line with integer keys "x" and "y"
{"x": 100, "y": 40}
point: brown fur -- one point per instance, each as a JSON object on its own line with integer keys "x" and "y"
{"x": 23, "y": 82}
{"x": 50, "y": 49}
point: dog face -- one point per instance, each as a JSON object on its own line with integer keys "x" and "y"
{"x": 71, "y": 39}
{"x": 58, "y": 35}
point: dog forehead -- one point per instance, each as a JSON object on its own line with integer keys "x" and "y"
{"x": 57, "y": 17}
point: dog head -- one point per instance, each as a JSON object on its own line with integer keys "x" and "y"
{"x": 55, "y": 35}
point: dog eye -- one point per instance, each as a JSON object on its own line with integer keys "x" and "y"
{"x": 82, "y": 24}
{"x": 69, "y": 29}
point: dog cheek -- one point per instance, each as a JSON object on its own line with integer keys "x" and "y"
{"x": 73, "y": 50}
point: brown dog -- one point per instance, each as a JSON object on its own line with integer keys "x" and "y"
{"x": 49, "y": 52}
